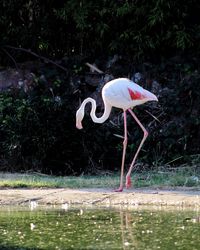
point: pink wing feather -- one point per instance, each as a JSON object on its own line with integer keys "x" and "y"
{"x": 135, "y": 95}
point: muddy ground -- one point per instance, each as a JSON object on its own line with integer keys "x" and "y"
{"x": 101, "y": 197}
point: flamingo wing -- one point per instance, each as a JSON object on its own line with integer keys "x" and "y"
{"x": 123, "y": 93}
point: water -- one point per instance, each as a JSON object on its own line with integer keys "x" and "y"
{"x": 81, "y": 228}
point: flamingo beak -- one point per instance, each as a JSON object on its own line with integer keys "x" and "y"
{"x": 152, "y": 97}
{"x": 155, "y": 99}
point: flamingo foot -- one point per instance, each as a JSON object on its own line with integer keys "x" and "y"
{"x": 128, "y": 181}
{"x": 120, "y": 189}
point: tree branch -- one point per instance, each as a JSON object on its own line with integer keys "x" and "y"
{"x": 11, "y": 57}
{"x": 94, "y": 68}
{"x": 36, "y": 55}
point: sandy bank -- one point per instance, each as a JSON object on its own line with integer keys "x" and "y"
{"x": 101, "y": 197}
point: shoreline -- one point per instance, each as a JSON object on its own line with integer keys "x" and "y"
{"x": 175, "y": 198}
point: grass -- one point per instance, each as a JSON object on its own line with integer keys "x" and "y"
{"x": 183, "y": 176}
{"x": 36, "y": 181}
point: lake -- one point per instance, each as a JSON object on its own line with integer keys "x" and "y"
{"x": 98, "y": 228}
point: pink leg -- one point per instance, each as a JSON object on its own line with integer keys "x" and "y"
{"x": 120, "y": 189}
{"x": 128, "y": 178}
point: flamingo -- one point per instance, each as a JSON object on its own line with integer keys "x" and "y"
{"x": 124, "y": 94}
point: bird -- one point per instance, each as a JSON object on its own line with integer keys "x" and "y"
{"x": 124, "y": 94}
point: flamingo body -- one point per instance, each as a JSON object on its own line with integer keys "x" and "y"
{"x": 124, "y": 94}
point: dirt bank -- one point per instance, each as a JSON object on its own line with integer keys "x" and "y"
{"x": 101, "y": 197}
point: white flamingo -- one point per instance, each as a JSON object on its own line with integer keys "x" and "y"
{"x": 124, "y": 94}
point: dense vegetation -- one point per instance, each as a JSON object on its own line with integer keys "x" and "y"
{"x": 160, "y": 39}
{"x": 90, "y": 27}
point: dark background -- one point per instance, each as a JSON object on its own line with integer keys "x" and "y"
{"x": 45, "y": 45}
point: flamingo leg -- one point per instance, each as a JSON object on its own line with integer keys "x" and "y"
{"x": 128, "y": 178}
{"x": 120, "y": 189}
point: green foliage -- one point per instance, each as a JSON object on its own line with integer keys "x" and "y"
{"x": 38, "y": 133}
{"x": 31, "y": 125}
{"x": 138, "y": 29}
{"x": 178, "y": 131}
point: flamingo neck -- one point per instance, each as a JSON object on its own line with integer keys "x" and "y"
{"x": 104, "y": 117}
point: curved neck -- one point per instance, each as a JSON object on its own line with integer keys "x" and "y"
{"x": 104, "y": 117}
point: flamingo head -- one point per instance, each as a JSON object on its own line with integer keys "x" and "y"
{"x": 79, "y": 118}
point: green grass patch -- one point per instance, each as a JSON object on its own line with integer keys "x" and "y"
{"x": 184, "y": 177}
{"x": 36, "y": 181}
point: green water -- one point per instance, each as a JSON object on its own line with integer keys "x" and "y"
{"x": 98, "y": 229}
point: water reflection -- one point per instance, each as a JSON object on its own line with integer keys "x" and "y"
{"x": 126, "y": 229}
{"x": 105, "y": 228}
